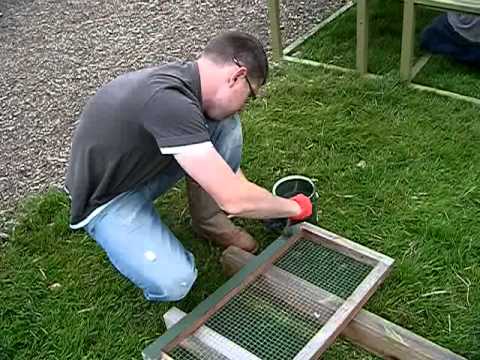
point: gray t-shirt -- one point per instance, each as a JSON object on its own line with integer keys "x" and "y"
{"x": 123, "y": 129}
{"x": 466, "y": 25}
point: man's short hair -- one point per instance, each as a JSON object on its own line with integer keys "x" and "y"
{"x": 245, "y": 48}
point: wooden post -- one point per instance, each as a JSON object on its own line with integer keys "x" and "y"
{"x": 362, "y": 36}
{"x": 367, "y": 330}
{"x": 408, "y": 40}
{"x": 275, "y": 33}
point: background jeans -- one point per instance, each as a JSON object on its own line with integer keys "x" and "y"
{"x": 440, "y": 38}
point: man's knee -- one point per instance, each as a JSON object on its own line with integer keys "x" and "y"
{"x": 172, "y": 284}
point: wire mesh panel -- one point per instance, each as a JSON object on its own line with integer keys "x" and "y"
{"x": 286, "y": 315}
{"x": 261, "y": 324}
{"x": 328, "y": 269}
{"x": 260, "y": 319}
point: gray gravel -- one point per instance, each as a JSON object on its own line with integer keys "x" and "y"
{"x": 54, "y": 54}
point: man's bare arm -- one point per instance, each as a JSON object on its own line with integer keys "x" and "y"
{"x": 233, "y": 192}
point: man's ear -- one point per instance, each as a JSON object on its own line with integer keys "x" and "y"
{"x": 239, "y": 73}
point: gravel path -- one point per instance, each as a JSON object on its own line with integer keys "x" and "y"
{"x": 54, "y": 54}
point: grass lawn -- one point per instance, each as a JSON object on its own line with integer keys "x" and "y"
{"x": 396, "y": 169}
{"x": 335, "y": 44}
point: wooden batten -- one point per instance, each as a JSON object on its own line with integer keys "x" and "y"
{"x": 206, "y": 340}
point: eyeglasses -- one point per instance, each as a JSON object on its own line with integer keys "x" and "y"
{"x": 253, "y": 95}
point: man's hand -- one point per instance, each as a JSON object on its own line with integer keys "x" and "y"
{"x": 278, "y": 224}
{"x": 305, "y": 207}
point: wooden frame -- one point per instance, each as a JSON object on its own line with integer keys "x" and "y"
{"x": 296, "y": 43}
{"x": 409, "y": 69}
{"x": 330, "y": 330}
{"x": 278, "y": 51}
{"x": 280, "y": 54}
{"x": 371, "y": 332}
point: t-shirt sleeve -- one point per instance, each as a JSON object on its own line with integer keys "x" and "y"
{"x": 187, "y": 149}
{"x": 175, "y": 120}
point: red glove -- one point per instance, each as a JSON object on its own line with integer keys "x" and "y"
{"x": 305, "y": 207}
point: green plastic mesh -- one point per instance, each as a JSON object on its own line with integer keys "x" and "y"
{"x": 261, "y": 319}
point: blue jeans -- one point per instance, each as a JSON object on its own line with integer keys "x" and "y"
{"x": 139, "y": 244}
{"x": 442, "y": 39}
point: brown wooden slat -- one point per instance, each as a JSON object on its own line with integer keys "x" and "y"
{"x": 342, "y": 316}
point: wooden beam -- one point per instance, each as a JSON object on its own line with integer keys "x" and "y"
{"x": 419, "y": 65}
{"x": 440, "y": 92}
{"x": 366, "y": 329}
{"x": 466, "y": 6}
{"x": 275, "y": 31}
{"x": 344, "y": 314}
{"x": 326, "y": 66}
{"x": 408, "y": 40}
{"x": 362, "y": 36}
{"x": 207, "y": 338}
{"x": 449, "y": 94}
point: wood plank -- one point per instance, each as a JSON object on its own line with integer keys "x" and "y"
{"x": 408, "y": 40}
{"x": 362, "y": 36}
{"x": 347, "y": 311}
{"x": 344, "y": 246}
{"x": 366, "y": 329}
{"x": 328, "y": 66}
{"x": 440, "y": 92}
{"x": 467, "y": 6}
{"x": 209, "y": 338}
{"x": 446, "y": 93}
{"x": 166, "y": 357}
{"x": 275, "y": 31}
{"x": 419, "y": 65}
{"x": 215, "y": 301}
